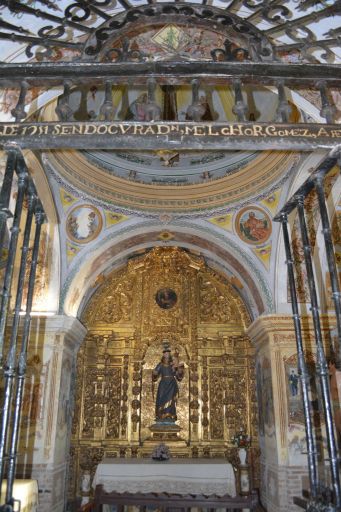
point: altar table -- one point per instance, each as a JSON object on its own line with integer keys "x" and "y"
{"x": 178, "y": 476}
{"x": 26, "y": 491}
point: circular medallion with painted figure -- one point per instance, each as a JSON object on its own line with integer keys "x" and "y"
{"x": 166, "y": 298}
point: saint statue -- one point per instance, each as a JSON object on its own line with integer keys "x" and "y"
{"x": 170, "y": 371}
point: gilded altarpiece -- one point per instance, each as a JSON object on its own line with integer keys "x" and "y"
{"x": 170, "y": 294}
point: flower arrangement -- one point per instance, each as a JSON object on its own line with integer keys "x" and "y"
{"x": 161, "y": 452}
{"x": 241, "y": 439}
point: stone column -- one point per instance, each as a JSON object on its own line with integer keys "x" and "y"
{"x": 48, "y": 407}
{"x": 284, "y": 470}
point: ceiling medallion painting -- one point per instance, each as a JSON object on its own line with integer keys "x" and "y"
{"x": 171, "y": 37}
{"x": 83, "y": 224}
{"x": 253, "y": 225}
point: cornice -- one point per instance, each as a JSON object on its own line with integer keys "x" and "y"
{"x": 268, "y": 169}
{"x": 265, "y": 325}
{"x": 68, "y": 331}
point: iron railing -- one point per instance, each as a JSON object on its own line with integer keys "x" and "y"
{"x": 318, "y": 497}
{"x": 13, "y": 352}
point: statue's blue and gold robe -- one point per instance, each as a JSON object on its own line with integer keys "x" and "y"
{"x": 167, "y": 393}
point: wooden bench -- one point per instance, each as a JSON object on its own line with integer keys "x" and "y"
{"x": 167, "y": 502}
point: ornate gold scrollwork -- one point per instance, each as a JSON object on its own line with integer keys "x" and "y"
{"x": 114, "y": 302}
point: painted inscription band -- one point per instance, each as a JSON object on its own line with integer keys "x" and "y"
{"x": 179, "y": 130}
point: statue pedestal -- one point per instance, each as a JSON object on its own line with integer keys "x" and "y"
{"x": 165, "y": 432}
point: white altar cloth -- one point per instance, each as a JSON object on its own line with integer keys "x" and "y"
{"x": 178, "y": 476}
{"x": 24, "y": 490}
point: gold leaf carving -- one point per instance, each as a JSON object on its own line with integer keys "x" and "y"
{"x": 113, "y": 303}
{"x": 216, "y": 402}
{"x": 219, "y": 302}
{"x": 113, "y": 392}
{"x": 102, "y": 400}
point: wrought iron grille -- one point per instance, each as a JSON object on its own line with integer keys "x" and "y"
{"x": 294, "y": 28}
{"x": 320, "y": 497}
{"x": 13, "y": 359}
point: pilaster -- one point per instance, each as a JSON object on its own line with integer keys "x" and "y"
{"x": 48, "y": 405}
{"x": 281, "y": 422}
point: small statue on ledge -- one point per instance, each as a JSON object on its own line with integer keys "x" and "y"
{"x": 170, "y": 370}
{"x": 161, "y": 452}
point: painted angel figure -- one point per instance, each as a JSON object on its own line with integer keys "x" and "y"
{"x": 170, "y": 371}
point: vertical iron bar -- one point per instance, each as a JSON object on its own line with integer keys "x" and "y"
{"x": 82, "y": 114}
{"x": 326, "y": 229}
{"x": 107, "y": 109}
{"x": 18, "y": 112}
{"x": 321, "y": 358}
{"x": 21, "y": 280}
{"x": 151, "y": 86}
{"x": 21, "y": 371}
{"x": 195, "y": 90}
{"x": 11, "y": 358}
{"x": 22, "y": 184}
{"x": 302, "y": 369}
{"x": 5, "y": 196}
{"x": 283, "y": 109}
{"x": 196, "y": 110}
{"x": 152, "y": 109}
{"x": 63, "y": 109}
{"x": 239, "y": 108}
{"x": 328, "y": 110}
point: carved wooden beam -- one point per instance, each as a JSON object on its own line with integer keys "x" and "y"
{"x": 48, "y": 74}
{"x": 169, "y": 135}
